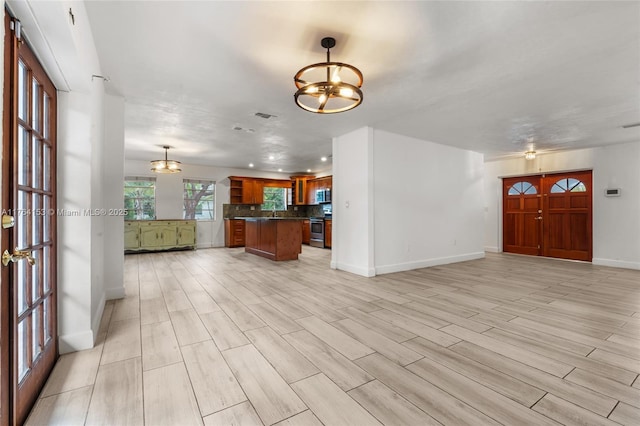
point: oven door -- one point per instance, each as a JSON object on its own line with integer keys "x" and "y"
{"x": 317, "y": 233}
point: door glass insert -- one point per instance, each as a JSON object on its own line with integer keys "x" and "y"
{"x": 35, "y": 277}
{"x": 36, "y": 331}
{"x": 568, "y": 185}
{"x": 23, "y": 156}
{"x": 35, "y": 106}
{"x": 23, "y": 104}
{"x": 520, "y": 188}
{"x": 23, "y": 361}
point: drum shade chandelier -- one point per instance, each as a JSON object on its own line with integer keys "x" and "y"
{"x": 328, "y": 87}
{"x": 166, "y": 165}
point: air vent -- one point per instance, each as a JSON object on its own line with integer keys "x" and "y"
{"x": 264, "y": 115}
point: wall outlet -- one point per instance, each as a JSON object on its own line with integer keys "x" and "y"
{"x": 295, "y": 208}
{"x": 237, "y": 207}
{"x": 253, "y": 207}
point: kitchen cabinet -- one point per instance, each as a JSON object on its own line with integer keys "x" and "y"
{"x": 244, "y": 190}
{"x": 234, "y": 233}
{"x": 299, "y": 192}
{"x": 306, "y": 231}
{"x": 273, "y": 238}
{"x": 154, "y": 235}
{"x": 327, "y": 233}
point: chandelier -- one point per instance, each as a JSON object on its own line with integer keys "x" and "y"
{"x": 328, "y": 87}
{"x": 530, "y": 155}
{"x": 166, "y": 165}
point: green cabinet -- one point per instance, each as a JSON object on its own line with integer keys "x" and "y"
{"x": 153, "y": 235}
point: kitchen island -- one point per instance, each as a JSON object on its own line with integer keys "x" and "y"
{"x": 275, "y": 238}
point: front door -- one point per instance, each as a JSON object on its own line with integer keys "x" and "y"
{"x": 548, "y": 215}
{"x": 28, "y": 296}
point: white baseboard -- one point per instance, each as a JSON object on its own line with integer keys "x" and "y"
{"x": 75, "y": 342}
{"x": 490, "y": 249}
{"x": 399, "y": 267}
{"x": 615, "y": 263}
{"x": 114, "y": 293}
{"x": 365, "y": 272}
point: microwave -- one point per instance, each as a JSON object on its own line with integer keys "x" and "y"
{"x": 323, "y": 196}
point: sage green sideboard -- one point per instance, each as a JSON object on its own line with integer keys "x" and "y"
{"x": 155, "y": 235}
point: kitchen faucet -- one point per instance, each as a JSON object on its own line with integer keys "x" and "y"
{"x": 274, "y": 212}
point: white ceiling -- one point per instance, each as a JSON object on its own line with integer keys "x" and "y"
{"x": 492, "y": 77}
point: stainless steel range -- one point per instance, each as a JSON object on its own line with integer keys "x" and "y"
{"x": 317, "y": 232}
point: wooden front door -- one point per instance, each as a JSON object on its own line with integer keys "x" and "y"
{"x": 28, "y": 296}
{"x": 522, "y": 213}
{"x": 548, "y": 215}
{"x": 567, "y": 222}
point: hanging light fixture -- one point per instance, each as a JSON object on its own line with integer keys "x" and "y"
{"x": 328, "y": 87}
{"x": 166, "y": 165}
{"x": 530, "y": 155}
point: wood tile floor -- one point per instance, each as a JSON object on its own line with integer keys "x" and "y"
{"x": 220, "y": 337}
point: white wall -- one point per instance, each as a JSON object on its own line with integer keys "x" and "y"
{"x": 112, "y": 184}
{"x": 401, "y": 203}
{"x": 169, "y": 193}
{"x": 428, "y": 203}
{"x": 616, "y": 228}
{"x": 352, "y": 240}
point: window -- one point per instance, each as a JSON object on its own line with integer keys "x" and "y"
{"x": 520, "y": 188}
{"x": 140, "y": 198}
{"x": 568, "y": 185}
{"x": 274, "y": 198}
{"x": 199, "y": 199}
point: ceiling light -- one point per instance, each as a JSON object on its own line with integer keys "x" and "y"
{"x": 328, "y": 87}
{"x": 279, "y": 170}
{"x": 323, "y": 159}
{"x": 250, "y": 164}
{"x": 530, "y": 155}
{"x": 166, "y": 165}
{"x": 271, "y": 157}
{"x": 308, "y": 170}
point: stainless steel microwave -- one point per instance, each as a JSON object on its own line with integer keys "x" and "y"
{"x": 323, "y": 196}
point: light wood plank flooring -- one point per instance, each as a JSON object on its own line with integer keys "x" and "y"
{"x": 221, "y": 337}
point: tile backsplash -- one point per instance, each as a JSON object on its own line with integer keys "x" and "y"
{"x": 230, "y": 211}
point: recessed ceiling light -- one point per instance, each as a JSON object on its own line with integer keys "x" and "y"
{"x": 308, "y": 170}
{"x": 271, "y": 157}
{"x": 323, "y": 159}
{"x": 250, "y": 164}
{"x": 279, "y": 170}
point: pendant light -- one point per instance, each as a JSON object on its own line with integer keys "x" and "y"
{"x": 530, "y": 155}
{"x": 328, "y": 87}
{"x": 166, "y": 165}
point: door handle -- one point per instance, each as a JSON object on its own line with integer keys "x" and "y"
{"x": 17, "y": 255}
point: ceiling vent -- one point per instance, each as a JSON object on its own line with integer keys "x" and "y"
{"x": 264, "y": 115}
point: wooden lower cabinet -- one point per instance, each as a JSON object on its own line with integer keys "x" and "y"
{"x": 156, "y": 235}
{"x": 234, "y": 233}
{"x": 327, "y": 233}
{"x": 275, "y": 239}
{"x": 306, "y": 231}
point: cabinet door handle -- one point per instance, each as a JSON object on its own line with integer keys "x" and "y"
{"x": 156, "y": 235}
{"x": 161, "y": 235}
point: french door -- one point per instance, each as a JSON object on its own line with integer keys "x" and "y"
{"x": 548, "y": 215}
{"x": 28, "y": 286}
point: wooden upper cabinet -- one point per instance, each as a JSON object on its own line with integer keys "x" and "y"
{"x": 245, "y": 190}
{"x": 299, "y": 187}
